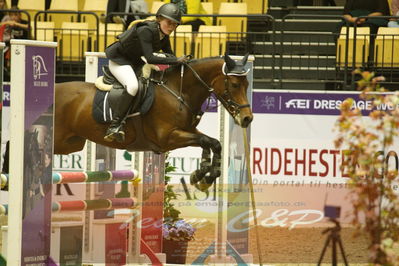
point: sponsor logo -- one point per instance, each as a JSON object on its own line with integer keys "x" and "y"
{"x": 298, "y": 104}
{"x": 39, "y": 70}
{"x": 268, "y": 102}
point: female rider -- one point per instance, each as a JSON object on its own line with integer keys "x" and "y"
{"x": 144, "y": 39}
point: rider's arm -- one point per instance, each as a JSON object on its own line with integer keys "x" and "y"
{"x": 145, "y": 37}
{"x": 167, "y": 48}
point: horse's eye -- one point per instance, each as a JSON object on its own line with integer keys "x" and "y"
{"x": 235, "y": 85}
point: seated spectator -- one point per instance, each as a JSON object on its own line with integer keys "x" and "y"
{"x": 192, "y": 7}
{"x": 357, "y": 8}
{"x": 195, "y": 7}
{"x": 3, "y": 5}
{"x": 122, "y": 6}
{"x": 371, "y": 8}
{"x": 394, "y": 23}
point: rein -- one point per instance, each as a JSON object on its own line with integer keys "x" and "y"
{"x": 232, "y": 106}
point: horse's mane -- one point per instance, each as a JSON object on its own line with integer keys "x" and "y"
{"x": 174, "y": 68}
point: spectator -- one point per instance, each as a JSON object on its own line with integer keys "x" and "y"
{"x": 12, "y": 27}
{"x": 357, "y": 8}
{"x": 371, "y": 8}
{"x": 15, "y": 26}
{"x": 181, "y": 4}
{"x": 329, "y": 3}
{"x": 3, "y": 5}
{"x": 394, "y": 23}
{"x": 119, "y": 6}
{"x": 195, "y": 7}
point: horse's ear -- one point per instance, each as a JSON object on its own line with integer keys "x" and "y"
{"x": 244, "y": 60}
{"x": 230, "y": 63}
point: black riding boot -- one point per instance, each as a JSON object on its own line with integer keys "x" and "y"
{"x": 120, "y": 101}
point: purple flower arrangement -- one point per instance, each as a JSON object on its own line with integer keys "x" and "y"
{"x": 178, "y": 231}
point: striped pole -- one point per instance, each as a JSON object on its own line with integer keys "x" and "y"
{"x": 89, "y": 205}
{"x": 85, "y": 177}
{"x": 85, "y": 205}
{"x": 95, "y": 176}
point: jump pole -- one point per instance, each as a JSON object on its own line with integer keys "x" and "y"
{"x": 32, "y": 81}
{"x": 2, "y": 45}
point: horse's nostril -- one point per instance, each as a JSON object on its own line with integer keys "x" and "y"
{"x": 246, "y": 121}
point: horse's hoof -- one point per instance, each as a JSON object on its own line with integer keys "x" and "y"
{"x": 194, "y": 177}
{"x": 120, "y": 137}
{"x": 203, "y": 185}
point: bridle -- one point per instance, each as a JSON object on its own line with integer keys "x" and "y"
{"x": 226, "y": 99}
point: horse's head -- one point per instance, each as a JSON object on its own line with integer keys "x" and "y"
{"x": 231, "y": 91}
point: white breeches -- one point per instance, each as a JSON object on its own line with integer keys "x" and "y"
{"x": 126, "y": 76}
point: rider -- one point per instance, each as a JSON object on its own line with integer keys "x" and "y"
{"x": 125, "y": 55}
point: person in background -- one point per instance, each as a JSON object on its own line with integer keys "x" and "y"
{"x": 12, "y": 27}
{"x": 329, "y": 3}
{"x": 192, "y": 7}
{"x": 3, "y": 5}
{"x": 394, "y": 23}
{"x": 119, "y": 6}
{"x": 372, "y": 8}
{"x": 16, "y": 27}
{"x": 181, "y": 4}
{"x": 195, "y": 7}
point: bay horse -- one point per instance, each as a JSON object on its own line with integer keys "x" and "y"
{"x": 171, "y": 121}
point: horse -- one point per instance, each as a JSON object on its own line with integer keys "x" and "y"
{"x": 171, "y": 121}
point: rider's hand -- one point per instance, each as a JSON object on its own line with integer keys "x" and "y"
{"x": 118, "y": 20}
{"x": 183, "y": 59}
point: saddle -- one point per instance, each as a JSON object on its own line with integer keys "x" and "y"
{"x": 143, "y": 101}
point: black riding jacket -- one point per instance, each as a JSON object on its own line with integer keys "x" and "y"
{"x": 143, "y": 39}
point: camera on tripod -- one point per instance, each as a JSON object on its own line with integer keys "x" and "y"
{"x": 334, "y": 237}
{"x": 332, "y": 212}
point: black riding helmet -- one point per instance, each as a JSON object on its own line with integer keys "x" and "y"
{"x": 170, "y": 11}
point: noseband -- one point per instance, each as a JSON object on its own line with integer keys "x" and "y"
{"x": 232, "y": 106}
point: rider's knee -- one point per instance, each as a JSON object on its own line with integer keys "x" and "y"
{"x": 132, "y": 88}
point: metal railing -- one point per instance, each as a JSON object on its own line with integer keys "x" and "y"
{"x": 282, "y": 50}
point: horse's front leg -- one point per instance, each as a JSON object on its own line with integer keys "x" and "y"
{"x": 199, "y": 178}
{"x": 205, "y": 167}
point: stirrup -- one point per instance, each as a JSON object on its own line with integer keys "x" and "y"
{"x": 115, "y": 133}
{"x": 118, "y": 136}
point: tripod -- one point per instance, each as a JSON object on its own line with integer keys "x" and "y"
{"x": 334, "y": 236}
